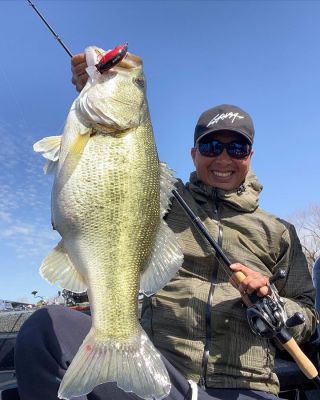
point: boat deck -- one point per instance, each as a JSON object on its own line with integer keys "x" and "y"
{"x": 294, "y": 386}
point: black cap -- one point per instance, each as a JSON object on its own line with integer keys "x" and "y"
{"x": 224, "y": 118}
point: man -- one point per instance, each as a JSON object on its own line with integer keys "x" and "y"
{"x": 197, "y": 321}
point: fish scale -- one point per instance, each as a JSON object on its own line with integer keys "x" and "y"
{"x": 109, "y": 196}
{"x": 119, "y": 225}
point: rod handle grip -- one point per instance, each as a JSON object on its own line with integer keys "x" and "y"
{"x": 301, "y": 359}
{"x": 248, "y": 300}
{"x": 303, "y": 362}
{"x": 238, "y": 277}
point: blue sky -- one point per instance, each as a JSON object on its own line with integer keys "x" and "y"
{"x": 260, "y": 55}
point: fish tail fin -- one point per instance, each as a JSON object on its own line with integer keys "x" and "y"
{"x": 134, "y": 364}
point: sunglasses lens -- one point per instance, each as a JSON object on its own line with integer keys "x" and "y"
{"x": 238, "y": 150}
{"x": 210, "y": 149}
{"x": 214, "y": 148}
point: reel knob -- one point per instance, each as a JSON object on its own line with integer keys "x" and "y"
{"x": 297, "y": 319}
{"x": 280, "y": 274}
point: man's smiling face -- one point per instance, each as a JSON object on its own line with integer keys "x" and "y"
{"x": 222, "y": 171}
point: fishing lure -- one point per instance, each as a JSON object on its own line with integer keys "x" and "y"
{"x": 112, "y": 57}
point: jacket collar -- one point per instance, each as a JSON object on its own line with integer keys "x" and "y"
{"x": 245, "y": 198}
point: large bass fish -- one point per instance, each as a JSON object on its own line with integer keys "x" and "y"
{"x": 109, "y": 197}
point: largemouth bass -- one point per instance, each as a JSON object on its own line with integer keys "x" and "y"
{"x": 109, "y": 196}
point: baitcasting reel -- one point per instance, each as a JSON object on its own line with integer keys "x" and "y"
{"x": 267, "y": 315}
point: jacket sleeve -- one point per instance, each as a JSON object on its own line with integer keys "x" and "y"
{"x": 297, "y": 290}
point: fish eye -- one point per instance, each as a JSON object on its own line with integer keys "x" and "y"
{"x": 139, "y": 82}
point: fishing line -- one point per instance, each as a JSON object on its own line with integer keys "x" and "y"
{"x": 50, "y": 29}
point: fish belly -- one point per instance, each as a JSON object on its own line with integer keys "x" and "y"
{"x": 108, "y": 214}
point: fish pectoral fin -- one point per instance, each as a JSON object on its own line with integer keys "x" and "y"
{"x": 163, "y": 263}
{"x": 73, "y": 158}
{"x": 79, "y": 143}
{"x": 134, "y": 364}
{"x": 58, "y": 268}
{"x": 49, "y": 147}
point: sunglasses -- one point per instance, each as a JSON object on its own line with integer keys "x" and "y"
{"x": 213, "y": 148}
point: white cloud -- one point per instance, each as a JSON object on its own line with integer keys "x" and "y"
{"x": 16, "y": 230}
{"x": 25, "y": 225}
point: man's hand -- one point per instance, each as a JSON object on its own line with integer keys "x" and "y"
{"x": 253, "y": 282}
{"x": 78, "y": 69}
{"x": 79, "y": 65}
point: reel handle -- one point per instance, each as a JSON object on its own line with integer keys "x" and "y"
{"x": 287, "y": 341}
{"x": 297, "y": 319}
{"x": 279, "y": 274}
{"x": 290, "y": 345}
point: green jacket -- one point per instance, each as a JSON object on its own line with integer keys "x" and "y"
{"x": 199, "y": 309}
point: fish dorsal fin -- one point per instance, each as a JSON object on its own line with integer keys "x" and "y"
{"x": 163, "y": 263}
{"x": 167, "y": 181}
{"x": 167, "y": 256}
{"x": 49, "y": 147}
{"x": 58, "y": 268}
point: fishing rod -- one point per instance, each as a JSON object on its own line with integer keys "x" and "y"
{"x": 106, "y": 62}
{"x": 50, "y": 28}
{"x": 265, "y": 315}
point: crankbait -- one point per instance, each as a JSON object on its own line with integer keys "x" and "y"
{"x": 112, "y": 57}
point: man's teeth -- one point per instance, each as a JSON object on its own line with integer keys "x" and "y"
{"x": 222, "y": 174}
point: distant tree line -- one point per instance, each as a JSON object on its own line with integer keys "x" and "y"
{"x": 307, "y": 224}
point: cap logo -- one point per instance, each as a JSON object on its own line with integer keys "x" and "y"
{"x": 232, "y": 116}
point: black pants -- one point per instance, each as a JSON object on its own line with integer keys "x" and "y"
{"x": 47, "y": 343}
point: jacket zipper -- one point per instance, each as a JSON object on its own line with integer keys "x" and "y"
{"x": 215, "y": 204}
{"x": 205, "y": 357}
